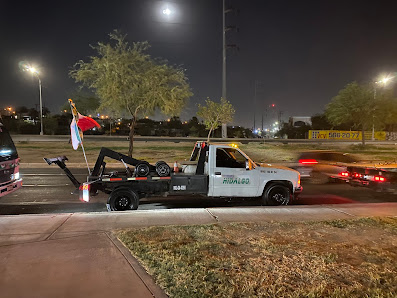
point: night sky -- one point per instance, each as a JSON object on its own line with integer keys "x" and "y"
{"x": 301, "y": 53}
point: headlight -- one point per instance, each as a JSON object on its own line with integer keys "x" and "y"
{"x": 16, "y": 176}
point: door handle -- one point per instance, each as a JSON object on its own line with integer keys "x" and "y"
{"x": 218, "y": 173}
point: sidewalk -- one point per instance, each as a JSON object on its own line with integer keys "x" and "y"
{"x": 76, "y": 255}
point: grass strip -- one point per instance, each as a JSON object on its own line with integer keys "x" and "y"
{"x": 33, "y": 152}
{"x": 342, "y": 258}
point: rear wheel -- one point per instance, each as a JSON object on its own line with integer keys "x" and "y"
{"x": 123, "y": 199}
{"x": 276, "y": 194}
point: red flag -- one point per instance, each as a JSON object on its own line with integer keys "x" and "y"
{"x": 86, "y": 123}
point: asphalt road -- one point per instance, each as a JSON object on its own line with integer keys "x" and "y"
{"x": 48, "y": 190}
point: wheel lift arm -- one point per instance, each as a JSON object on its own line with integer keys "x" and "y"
{"x": 60, "y": 162}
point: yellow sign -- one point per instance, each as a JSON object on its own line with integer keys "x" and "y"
{"x": 345, "y": 135}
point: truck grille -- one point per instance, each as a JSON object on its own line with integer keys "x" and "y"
{"x": 5, "y": 175}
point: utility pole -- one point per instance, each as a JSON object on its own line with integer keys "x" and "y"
{"x": 280, "y": 113}
{"x": 224, "y": 125}
{"x": 224, "y": 47}
{"x": 255, "y": 84}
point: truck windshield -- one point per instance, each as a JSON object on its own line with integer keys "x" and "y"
{"x": 229, "y": 158}
{"x": 7, "y": 147}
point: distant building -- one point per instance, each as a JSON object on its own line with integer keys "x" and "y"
{"x": 297, "y": 121}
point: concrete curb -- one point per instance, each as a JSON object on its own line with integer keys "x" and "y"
{"x": 91, "y": 222}
{"x": 137, "y": 267}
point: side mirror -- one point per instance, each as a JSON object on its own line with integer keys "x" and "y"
{"x": 247, "y": 165}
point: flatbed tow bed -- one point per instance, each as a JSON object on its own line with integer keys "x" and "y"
{"x": 213, "y": 170}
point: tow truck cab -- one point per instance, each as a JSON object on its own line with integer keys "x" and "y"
{"x": 10, "y": 180}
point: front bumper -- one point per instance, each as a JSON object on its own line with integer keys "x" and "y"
{"x": 10, "y": 187}
{"x": 297, "y": 191}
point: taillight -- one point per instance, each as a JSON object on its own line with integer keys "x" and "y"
{"x": 84, "y": 192}
{"x": 308, "y": 161}
{"x": 344, "y": 174}
{"x": 379, "y": 178}
{"x": 357, "y": 175}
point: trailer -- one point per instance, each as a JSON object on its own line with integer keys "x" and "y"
{"x": 213, "y": 170}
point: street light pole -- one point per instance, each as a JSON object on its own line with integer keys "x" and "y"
{"x": 373, "y": 116}
{"x": 383, "y": 82}
{"x": 41, "y": 108}
{"x": 24, "y": 66}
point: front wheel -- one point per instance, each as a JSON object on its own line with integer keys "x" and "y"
{"x": 276, "y": 194}
{"x": 123, "y": 199}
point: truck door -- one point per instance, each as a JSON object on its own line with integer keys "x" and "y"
{"x": 230, "y": 177}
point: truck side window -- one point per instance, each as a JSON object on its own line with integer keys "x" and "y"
{"x": 229, "y": 158}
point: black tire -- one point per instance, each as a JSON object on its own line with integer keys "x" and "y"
{"x": 318, "y": 178}
{"x": 122, "y": 199}
{"x": 163, "y": 169}
{"x": 142, "y": 170}
{"x": 276, "y": 194}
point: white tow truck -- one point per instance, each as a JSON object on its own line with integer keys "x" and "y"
{"x": 213, "y": 170}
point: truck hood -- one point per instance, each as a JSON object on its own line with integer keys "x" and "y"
{"x": 267, "y": 165}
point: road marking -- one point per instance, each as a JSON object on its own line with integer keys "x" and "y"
{"x": 45, "y": 185}
{"x": 52, "y": 175}
{"x": 72, "y": 201}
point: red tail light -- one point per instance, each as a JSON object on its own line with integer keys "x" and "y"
{"x": 344, "y": 174}
{"x": 308, "y": 161}
{"x": 379, "y": 178}
{"x": 84, "y": 192}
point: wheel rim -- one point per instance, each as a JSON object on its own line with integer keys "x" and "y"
{"x": 122, "y": 203}
{"x": 279, "y": 196}
{"x": 142, "y": 170}
{"x": 163, "y": 170}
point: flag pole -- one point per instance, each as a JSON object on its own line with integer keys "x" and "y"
{"x": 85, "y": 157}
{"x": 74, "y": 114}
